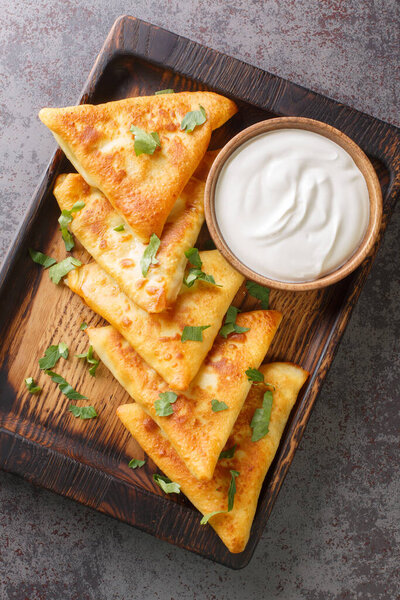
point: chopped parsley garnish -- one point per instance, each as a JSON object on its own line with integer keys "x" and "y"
{"x": 230, "y": 323}
{"x": 195, "y": 273}
{"x": 231, "y": 498}
{"x": 192, "y": 119}
{"x": 64, "y": 220}
{"x": 58, "y": 271}
{"x": 89, "y": 359}
{"x": 135, "y": 463}
{"x": 65, "y": 387}
{"x": 217, "y": 406}
{"x": 41, "y": 259}
{"x": 83, "y": 326}
{"x": 168, "y": 486}
{"x": 193, "y": 257}
{"x": 255, "y": 375}
{"x": 83, "y": 412}
{"x": 260, "y": 292}
{"x": 145, "y": 143}
{"x": 261, "y": 418}
{"x": 228, "y": 453}
{"x": 52, "y": 354}
{"x": 167, "y": 91}
{"x": 232, "y": 489}
{"x": 207, "y": 517}
{"x": 31, "y": 385}
{"x": 193, "y": 334}
{"x": 149, "y": 255}
{"x": 120, "y": 227}
{"x": 163, "y": 404}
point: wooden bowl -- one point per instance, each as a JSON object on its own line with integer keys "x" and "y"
{"x": 362, "y": 162}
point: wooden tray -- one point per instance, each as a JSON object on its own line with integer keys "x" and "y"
{"x": 88, "y": 461}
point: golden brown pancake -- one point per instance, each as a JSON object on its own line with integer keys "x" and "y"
{"x": 143, "y": 189}
{"x": 157, "y": 337}
{"x": 197, "y": 433}
{"x": 251, "y": 459}
{"x": 119, "y": 252}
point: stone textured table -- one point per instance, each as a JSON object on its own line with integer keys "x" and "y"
{"x": 334, "y": 531}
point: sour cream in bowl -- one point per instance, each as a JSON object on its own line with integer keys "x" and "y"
{"x": 293, "y": 203}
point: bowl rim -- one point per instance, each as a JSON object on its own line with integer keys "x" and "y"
{"x": 360, "y": 159}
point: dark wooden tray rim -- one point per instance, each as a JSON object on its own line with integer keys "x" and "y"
{"x": 227, "y": 75}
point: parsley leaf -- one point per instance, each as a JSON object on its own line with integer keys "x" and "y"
{"x": 255, "y": 375}
{"x": 217, "y": 406}
{"x": 136, "y": 463}
{"x": 194, "y": 334}
{"x": 31, "y": 385}
{"x": 167, "y": 91}
{"x": 192, "y": 119}
{"x": 168, "y": 486}
{"x": 163, "y": 404}
{"x": 83, "y": 326}
{"x": 232, "y": 489}
{"x": 149, "y": 255}
{"x": 89, "y": 359}
{"x": 231, "y": 498}
{"x": 52, "y": 354}
{"x": 260, "y": 292}
{"x": 83, "y": 412}
{"x": 41, "y": 259}
{"x": 64, "y": 220}
{"x": 145, "y": 143}
{"x": 230, "y": 323}
{"x": 58, "y": 271}
{"x": 228, "y": 453}
{"x": 65, "y": 387}
{"x": 193, "y": 257}
{"x": 207, "y": 517}
{"x": 120, "y": 227}
{"x": 261, "y": 418}
{"x": 195, "y": 274}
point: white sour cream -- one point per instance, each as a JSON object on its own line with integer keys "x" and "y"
{"x": 292, "y": 205}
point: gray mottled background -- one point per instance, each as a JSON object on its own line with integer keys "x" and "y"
{"x": 334, "y": 531}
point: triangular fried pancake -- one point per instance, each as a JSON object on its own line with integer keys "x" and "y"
{"x": 119, "y": 252}
{"x": 157, "y": 337}
{"x": 143, "y": 189}
{"x": 197, "y": 432}
{"x": 251, "y": 459}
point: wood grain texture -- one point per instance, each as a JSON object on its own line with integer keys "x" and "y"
{"x": 87, "y": 461}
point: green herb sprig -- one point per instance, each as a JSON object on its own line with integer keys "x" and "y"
{"x": 168, "y": 486}
{"x": 163, "y": 404}
{"x": 145, "y": 143}
{"x": 52, "y": 354}
{"x": 192, "y": 333}
{"x": 83, "y": 412}
{"x": 149, "y": 255}
{"x": 94, "y": 362}
{"x": 193, "y": 119}
{"x": 230, "y": 325}
{"x": 261, "y": 418}
{"x": 32, "y": 387}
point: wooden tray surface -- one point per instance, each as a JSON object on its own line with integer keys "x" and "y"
{"x": 88, "y": 460}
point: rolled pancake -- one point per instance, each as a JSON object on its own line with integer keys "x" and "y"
{"x": 143, "y": 189}
{"x": 251, "y": 459}
{"x": 119, "y": 252}
{"x": 197, "y": 433}
{"x": 157, "y": 337}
